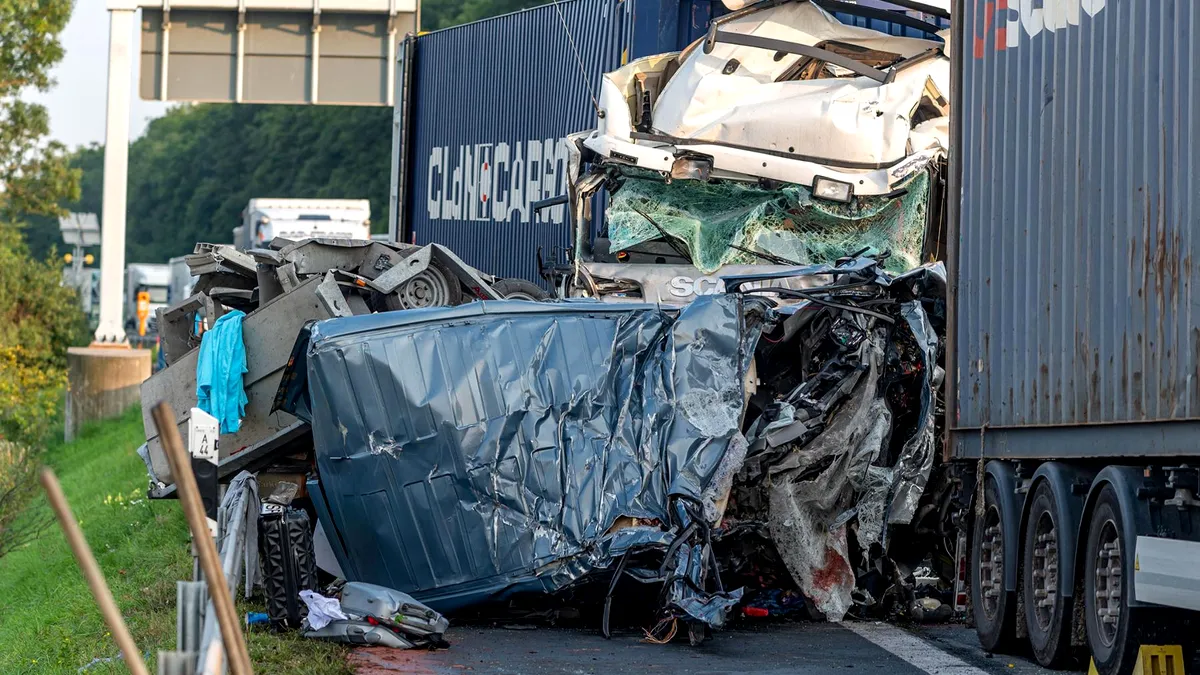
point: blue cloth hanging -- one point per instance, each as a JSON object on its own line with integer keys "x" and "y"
{"x": 219, "y": 370}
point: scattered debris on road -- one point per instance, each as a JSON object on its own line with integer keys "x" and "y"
{"x": 373, "y": 615}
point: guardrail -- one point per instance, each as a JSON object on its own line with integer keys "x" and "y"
{"x": 198, "y": 644}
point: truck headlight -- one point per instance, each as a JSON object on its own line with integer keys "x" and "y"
{"x": 833, "y": 190}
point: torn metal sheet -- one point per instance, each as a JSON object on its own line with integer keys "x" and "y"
{"x": 806, "y": 505}
{"x": 916, "y": 459}
{"x": 210, "y": 258}
{"x": 398, "y": 274}
{"x": 472, "y": 453}
{"x": 927, "y": 285}
{"x": 843, "y": 444}
{"x": 331, "y": 297}
{"x": 768, "y": 98}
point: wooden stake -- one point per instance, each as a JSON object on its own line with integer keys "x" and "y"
{"x": 210, "y": 561}
{"x": 91, "y": 572}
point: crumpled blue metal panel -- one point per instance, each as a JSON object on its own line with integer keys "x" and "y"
{"x": 468, "y": 452}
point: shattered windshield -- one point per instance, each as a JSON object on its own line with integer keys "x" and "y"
{"x": 726, "y": 222}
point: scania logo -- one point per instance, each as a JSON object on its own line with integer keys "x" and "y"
{"x": 682, "y": 287}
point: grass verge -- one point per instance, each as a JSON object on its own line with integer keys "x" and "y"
{"x": 48, "y": 621}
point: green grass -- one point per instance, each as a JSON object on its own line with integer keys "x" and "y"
{"x": 48, "y": 620}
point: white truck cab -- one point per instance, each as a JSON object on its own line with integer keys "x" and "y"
{"x": 784, "y": 138}
{"x": 296, "y": 219}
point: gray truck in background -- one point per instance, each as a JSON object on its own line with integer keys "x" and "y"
{"x": 151, "y": 278}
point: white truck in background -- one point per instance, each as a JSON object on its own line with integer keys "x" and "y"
{"x": 296, "y": 219}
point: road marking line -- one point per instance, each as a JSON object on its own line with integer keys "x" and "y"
{"x": 912, "y": 649}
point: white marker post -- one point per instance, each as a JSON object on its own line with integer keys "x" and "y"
{"x": 203, "y": 434}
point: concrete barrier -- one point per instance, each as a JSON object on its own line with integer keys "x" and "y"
{"x": 102, "y": 382}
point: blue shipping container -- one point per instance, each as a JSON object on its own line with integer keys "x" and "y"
{"x": 493, "y": 103}
{"x": 1077, "y": 326}
{"x": 486, "y": 107}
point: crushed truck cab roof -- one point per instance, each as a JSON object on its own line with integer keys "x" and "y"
{"x": 784, "y": 92}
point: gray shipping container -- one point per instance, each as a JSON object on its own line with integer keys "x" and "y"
{"x": 1075, "y": 329}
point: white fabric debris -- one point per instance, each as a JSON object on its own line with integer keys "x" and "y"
{"x": 322, "y": 610}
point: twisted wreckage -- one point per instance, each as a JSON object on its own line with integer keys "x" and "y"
{"x": 474, "y": 453}
{"x": 768, "y": 441}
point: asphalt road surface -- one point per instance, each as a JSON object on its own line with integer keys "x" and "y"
{"x": 853, "y": 648}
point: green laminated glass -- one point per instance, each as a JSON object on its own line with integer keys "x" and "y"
{"x": 714, "y": 218}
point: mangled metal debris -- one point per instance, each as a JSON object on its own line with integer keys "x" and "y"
{"x": 822, "y": 102}
{"x": 842, "y": 444}
{"x": 282, "y": 287}
{"x": 470, "y": 454}
{"x": 768, "y": 441}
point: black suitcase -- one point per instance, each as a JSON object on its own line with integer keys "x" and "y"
{"x": 285, "y": 545}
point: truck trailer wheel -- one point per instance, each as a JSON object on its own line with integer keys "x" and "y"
{"x": 1047, "y": 612}
{"x": 435, "y": 286}
{"x": 994, "y": 609}
{"x": 1113, "y": 627}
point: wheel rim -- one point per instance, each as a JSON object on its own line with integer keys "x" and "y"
{"x": 991, "y": 563}
{"x": 1045, "y": 571}
{"x": 1108, "y": 582}
{"x": 427, "y": 289}
{"x": 519, "y": 295}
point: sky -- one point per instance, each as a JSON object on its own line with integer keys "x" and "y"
{"x": 77, "y": 102}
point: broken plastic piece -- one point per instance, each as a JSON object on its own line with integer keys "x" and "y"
{"x": 377, "y": 615}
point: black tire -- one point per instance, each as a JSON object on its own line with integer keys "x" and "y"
{"x": 519, "y": 289}
{"x": 995, "y": 612}
{"x": 1113, "y": 644}
{"x": 1048, "y": 617}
